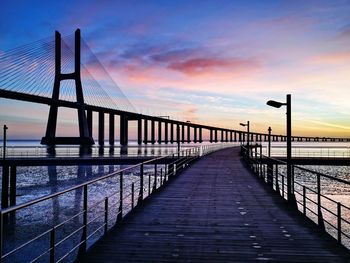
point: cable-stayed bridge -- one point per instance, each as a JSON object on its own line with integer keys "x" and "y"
{"x": 52, "y": 72}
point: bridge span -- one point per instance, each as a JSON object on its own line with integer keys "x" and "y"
{"x": 216, "y": 211}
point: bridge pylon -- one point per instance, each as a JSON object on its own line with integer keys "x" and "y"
{"x": 84, "y": 134}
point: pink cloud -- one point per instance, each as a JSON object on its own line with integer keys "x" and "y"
{"x": 198, "y": 66}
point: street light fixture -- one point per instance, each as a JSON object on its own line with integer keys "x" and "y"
{"x": 276, "y": 104}
{"x": 248, "y": 139}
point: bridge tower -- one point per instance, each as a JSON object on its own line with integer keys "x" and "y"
{"x": 84, "y": 134}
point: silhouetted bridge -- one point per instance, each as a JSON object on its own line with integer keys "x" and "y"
{"x": 26, "y": 75}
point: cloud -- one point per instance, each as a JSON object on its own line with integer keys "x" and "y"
{"x": 331, "y": 58}
{"x": 200, "y": 65}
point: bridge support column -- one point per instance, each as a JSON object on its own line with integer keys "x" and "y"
{"x": 145, "y": 131}
{"x": 195, "y": 134}
{"x": 222, "y": 136}
{"x": 153, "y": 132}
{"x": 166, "y": 132}
{"x": 111, "y": 129}
{"x": 101, "y": 128}
{"x": 50, "y": 135}
{"x": 235, "y": 136}
{"x": 183, "y": 133}
{"x": 159, "y": 132}
{"x": 188, "y": 134}
{"x": 124, "y": 129}
{"x": 139, "y": 131}
{"x": 230, "y": 136}
{"x": 200, "y": 135}
{"x": 178, "y": 136}
{"x": 89, "y": 121}
{"x": 226, "y": 137}
{"x": 216, "y": 135}
{"x": 211, "y": 136}
{"x": 171, "y": 132}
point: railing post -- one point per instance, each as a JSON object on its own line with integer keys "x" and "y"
{"x": 141, "y": 184}
{"x": 276, "y": 175}
{"x": 83, "y": 246}
{"x": 161, "y": 176}
{"x": 149, "y": 183}
{"x": 155, "y": 178}
{"x": 106, "y": 215}
{"x": 283, "y": 187}
{"x": 304, "y": 199}
{"x": 132, "y": 195}
{"x": 120, "y": 212}
{"x": 339, "y": 222}
{"x": 1, "y": 233}
{"x": 52, "y": 245}
{"x": 319, "y": 208}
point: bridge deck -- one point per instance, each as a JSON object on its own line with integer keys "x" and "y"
{"x": 216, "y": 211}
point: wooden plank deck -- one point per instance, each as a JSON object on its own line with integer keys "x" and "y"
{"x": 216, "y": 211}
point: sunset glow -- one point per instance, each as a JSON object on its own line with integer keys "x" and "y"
{"x": 212, "y": 62}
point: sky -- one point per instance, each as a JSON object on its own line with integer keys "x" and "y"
{"x": 211, "y": 62}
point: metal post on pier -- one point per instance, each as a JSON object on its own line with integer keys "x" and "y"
{"x": 178, "y": 138}
{"x": 269, "y": 143}
{"x": 4, "y": 143}
{"x": 276, "y": 104}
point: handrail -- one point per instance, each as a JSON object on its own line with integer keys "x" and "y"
{"x": 181, "y": 160}
{"x": 271, "y": 177}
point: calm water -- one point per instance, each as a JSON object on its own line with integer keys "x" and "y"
{"x": 37, "y": 181}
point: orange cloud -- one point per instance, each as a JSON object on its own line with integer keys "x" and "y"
{"x": 332, "y": 58}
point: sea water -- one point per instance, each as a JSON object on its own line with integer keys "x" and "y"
{"x": 38, "y": 181}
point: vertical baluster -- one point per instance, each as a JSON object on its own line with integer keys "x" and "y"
{"x": 1, "y": 233}
{"x": 149, "y": 183}
{"x": 155, "y": 178}
{"x": 132, "y": 195}
{"x": 83, "y": 245}
{"x": 304, "y": 199}
{"x": 283, "y": 186}
{"x": 161, "y": 176}
{"x": 319, "y": 207}
{"x": 339, "y": 222}
{"x": 276, "y": 175}
{"x": 121, "y": 194}
{"x": 52, "y": 245}
{"x": 106, "y": 215}
{"x": 141, "y": 184}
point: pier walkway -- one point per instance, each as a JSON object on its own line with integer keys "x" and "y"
{"x": 216, "y": 211}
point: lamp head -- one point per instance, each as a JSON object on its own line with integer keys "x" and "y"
{"x": 243, "y": 124}
{"x": 275, "y": 104}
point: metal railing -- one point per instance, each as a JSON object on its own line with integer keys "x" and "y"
{"x": 89, "y": 220}
{"x": 330, "y": 215}
{"x": 328, "y": 152}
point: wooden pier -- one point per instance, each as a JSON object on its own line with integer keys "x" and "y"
{"x": 216, "y": 211}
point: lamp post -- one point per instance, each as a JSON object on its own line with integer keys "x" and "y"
{"x": 276, "y": 104}
{"x": 247, "y": 125}
{"x": 269, "y": 145}
{"x": 4, "y": 143}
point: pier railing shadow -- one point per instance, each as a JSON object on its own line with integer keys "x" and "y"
{"x": 311, "y": 189}
{"x": 69, "y": 238}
